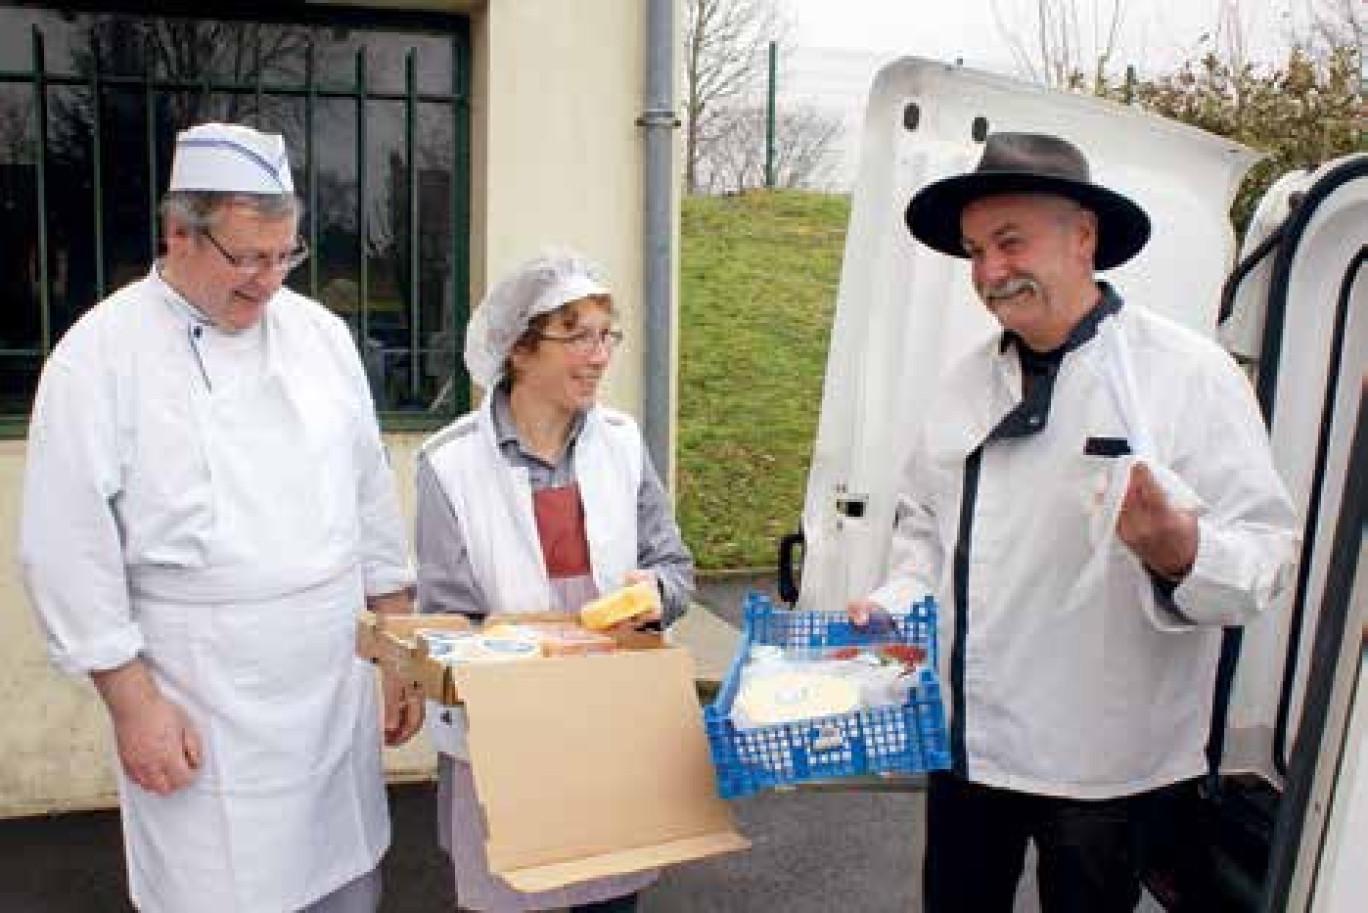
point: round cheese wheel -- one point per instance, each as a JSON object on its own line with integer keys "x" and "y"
{"x": 789, "y": 696}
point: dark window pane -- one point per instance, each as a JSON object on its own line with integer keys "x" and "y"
{"x": 128, "y": 198}
{"x": 16, "y": 38}
{"x": 441, "y": 342}
{"x": 385, "y": 59}
{"x": 70, "y": 213}
{"x": 20, "y": 318}
{"x": 158, "y": 75}
{"x": 388, "y": 319}
{"x": 336, "y": 256}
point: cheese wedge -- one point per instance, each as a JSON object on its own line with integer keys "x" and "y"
{"x": 627, "y": 602}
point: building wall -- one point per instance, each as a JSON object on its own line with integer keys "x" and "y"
{"x": 556, "y": 158}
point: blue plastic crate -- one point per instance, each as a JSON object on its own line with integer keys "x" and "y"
{"x": 906, "y": 738}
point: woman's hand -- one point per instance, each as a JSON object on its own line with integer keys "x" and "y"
{"x": 631, "y": 578}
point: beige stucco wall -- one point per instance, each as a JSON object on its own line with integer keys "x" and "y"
{"x": 52, "y": 734}
{"x": 558, "y": 148}
{"x": 556, "y": 158}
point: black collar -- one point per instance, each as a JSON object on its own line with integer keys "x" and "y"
{"x": 1108, "y": 303}
{"x": 1032, "y": 414}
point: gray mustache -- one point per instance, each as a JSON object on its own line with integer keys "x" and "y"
{"x": 1010, "y": 287}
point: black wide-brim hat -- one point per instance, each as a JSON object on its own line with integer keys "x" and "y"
{"x": 1028, "y": 163}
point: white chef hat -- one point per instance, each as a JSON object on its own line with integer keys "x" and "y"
{"x": 552, "y": 278}
{"x": 230, "y": 158}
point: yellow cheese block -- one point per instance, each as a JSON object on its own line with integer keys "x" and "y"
{"x": 626, "y": 603}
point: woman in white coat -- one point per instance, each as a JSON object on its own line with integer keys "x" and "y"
{"x": 539, "y": 499}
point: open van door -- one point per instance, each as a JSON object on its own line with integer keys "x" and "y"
{"x": 904, "y": 313}
{"x": 1298, "y": 308}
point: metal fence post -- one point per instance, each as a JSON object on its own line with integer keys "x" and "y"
{"x": 769, "y": 114}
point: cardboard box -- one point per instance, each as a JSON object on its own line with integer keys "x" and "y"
{"x": 388, "y": 641}
{"x": 391, "y": 641}
{"x": 592, "y": 765}
{"x": 585, "y": 766}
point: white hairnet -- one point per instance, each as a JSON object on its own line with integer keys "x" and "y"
{"x": 539, "y": 286}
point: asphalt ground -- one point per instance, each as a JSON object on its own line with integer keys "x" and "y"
{"x": 812, "y": 853}
{"x": 814, "y": 850}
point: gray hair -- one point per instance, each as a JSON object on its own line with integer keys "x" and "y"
{"x": 198, "y": 210}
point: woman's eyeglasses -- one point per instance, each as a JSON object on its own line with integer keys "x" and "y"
{"x": 586, "y": 342}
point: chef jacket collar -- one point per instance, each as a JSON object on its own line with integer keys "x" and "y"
{"x": 1107, "y": 304}
{"x": 196, "y": 322}
{"x": 179, "y": 302}
{"x": 1032, "y": 414}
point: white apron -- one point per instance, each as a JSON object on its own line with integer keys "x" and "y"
{"x": 494, "y": 504}
{"x": 289, "y": 803}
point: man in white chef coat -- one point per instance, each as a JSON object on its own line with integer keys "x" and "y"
{"x": 1091, "y": 498}
{"x": 207, "y": 506}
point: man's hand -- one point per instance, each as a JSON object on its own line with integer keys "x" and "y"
{"x": 1160, "y": 535}
{"x": 400, "y": 602}
{"x": 403, "y": 708}
{"x": 863, "y": 611}
{"x": 403, "y": 702}
{"x": 158, "y": 745}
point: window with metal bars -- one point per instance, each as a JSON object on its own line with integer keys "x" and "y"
{"x": 375, "y": 113}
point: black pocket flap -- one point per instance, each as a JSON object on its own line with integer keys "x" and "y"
{"x": 1107, "y": 446}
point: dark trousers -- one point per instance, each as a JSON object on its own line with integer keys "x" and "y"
{"x": 976, "y": 837}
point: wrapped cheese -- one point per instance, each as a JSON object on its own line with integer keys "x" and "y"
{"x": 628, "y": 602}
{"x": 494, "y": 646}
{"x": 786, "y": 697}
{"x": 573, "y": 640}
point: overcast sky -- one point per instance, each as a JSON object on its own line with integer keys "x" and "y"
{"x": 1154, "y": 32}
{"x": 837, "y": 46}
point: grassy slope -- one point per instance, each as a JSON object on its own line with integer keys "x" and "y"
{"x": 757, "y": 286}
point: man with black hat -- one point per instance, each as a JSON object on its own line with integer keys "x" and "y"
{"x": 207, "y": 507}
{"x": 1090, "y": 499}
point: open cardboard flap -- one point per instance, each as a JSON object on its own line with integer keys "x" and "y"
{"x": 389, "y": 640}
{"x": 589, "y": 766}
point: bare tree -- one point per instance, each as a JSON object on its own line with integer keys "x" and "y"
{"x": 803, "y": 137}
{"x": 204, "y": 53}
{"x": 1057, "y": 43}
{"x": 1337, "y": 24}
{"x": 724, "y": 62}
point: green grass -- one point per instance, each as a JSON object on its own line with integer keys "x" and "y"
{"x": 758, "y": 283}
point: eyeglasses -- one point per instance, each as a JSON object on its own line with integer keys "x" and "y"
{"x": 586, "y": 342}
{"x": 254, "y": 263}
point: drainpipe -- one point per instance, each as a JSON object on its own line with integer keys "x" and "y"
{"x": 659, "y": 122}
